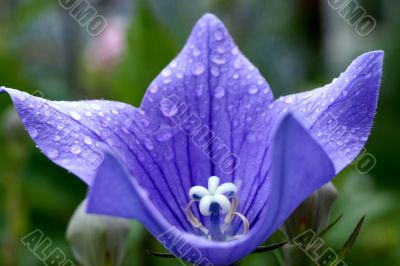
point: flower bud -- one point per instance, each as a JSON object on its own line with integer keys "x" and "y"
{"x": 313, "y": 213}
{"x": 97, "y": 240}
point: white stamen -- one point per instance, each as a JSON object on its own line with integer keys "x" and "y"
{"x": 198, "y": 192}
{"x": 213, "y": 183}
{"x": 229, "y": 190}
{"x": 210, "y": 199}
{"x": 205, "y": 204}
{"x": 223, "y": 203}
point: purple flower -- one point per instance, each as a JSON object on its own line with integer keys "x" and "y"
{"x": 209, "y": 117}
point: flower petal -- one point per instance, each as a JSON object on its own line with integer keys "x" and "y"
{"x": 72, "y": 133}
{"x": 213, "y": 99}
{"x": 340, "y": 115}
{"x": 300, "y": 166}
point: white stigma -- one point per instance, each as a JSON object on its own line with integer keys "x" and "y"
{"x": 215, "y": 193}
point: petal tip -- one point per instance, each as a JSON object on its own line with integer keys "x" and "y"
{"x": 210, "y": 22}
{"x": 209, "y": 18}
{"x": 372, "y": 56}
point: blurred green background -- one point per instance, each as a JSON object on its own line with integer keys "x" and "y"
{"x": 297, "y": 45}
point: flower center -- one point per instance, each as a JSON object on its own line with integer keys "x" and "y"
{"x": 214, "y": 202}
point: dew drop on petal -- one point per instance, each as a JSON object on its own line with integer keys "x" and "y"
{"x": 164, "y": 133}
{"x": 218, "y": 60}
{"x": 166, "y": 72}
{"x": 168, "y": 109}
{"x": 221, "y": 49}
{"x": 148, "y": 144}
{"x": 75, "y": 115}
{"x": 235, "y": 51}
{"x": 219, "y": 92}
{"x": 215, "y": 71}
{"x": 198, "y": 68}
{"x": 196, "y": 51}
{"x": 290, "y": 99}
{"x": 238, "y": 63}
{"x": 95, "y": 106}
{"x": 253, "y": 90}
{"x": 218, "y": 35}
{"x": 52, "y": 153}
{"x": 87, "y": 140}
{"x": 34, "y": 133}
{"x": 153, "y": 88}
{"x": 76, "y": 149}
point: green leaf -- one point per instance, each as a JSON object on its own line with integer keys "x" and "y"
{"x": 351, "y": 240}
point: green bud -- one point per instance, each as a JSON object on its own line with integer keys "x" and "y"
{"x": 97, "y": 240}
{"x": 312, "y": 214}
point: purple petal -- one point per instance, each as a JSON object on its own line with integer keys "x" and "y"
{"x": 213, "y": 98}
{"x": 300, "y": 166}
{"x": 66, "y": 132}
{"x": 340, "y": 115}
{"x": 72, "y": 133}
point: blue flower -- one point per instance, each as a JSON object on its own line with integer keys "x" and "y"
{"x": 210, "y": 163}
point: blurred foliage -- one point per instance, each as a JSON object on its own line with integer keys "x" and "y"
{"x": 296, "y": 44}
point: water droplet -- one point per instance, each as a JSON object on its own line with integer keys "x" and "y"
{"x": 218, "y": 60}
{"x": 196, "y": 51}
{"x": 221, "y": 49}
{"x": 168, "y": 108}
{"x": 164, "y": 133}
{"x": 219, "y": 92}
{"x": 95, "y": 106}
{"x": 215, "y": 71}
{"x": 87, "y": 140}
{"x": 115, "y": 112}
{"x": 235, "y": 51}
{"x": 266, "y": 90}
{"x": 52, "y": 153}
{"x": 75, "y": 149}
{"x": 166, "y": 72}
{"x": 238, "y": 63}
{"x": 218, "y": 35}
{"x": 34, "y": 133}
{"x": 198, "y": 68}
{"x": 253, "y": 90}
{"x": 290, "y": 99}
{"x": 148, "y": 144}
{"x": 236, "y": 76}
{"x": 153, "y": 88}
{"x": 365, "y": 138}
{"x": 75, "y": 115}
